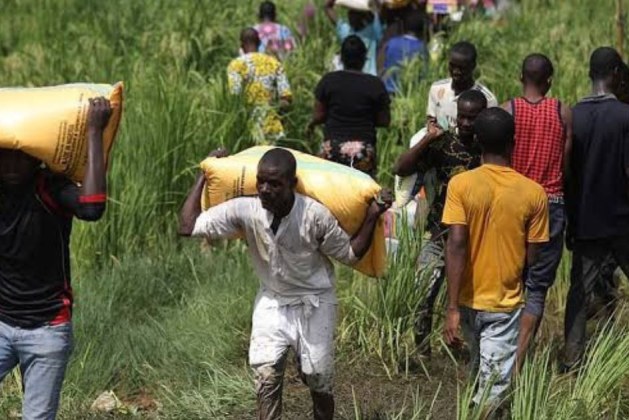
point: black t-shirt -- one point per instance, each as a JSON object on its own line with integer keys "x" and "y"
{"x": 445, "y": 158}
{"x": 599, "y": 197}
{"x": 352, "y": 101}
{"x": 35, "y": 227}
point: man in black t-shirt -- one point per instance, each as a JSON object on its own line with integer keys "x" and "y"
{"x": 441, "y": 155}
{"x": 598, "y": 192}
{"x": 351, "y": 104}
{"x": 36, "y": 211}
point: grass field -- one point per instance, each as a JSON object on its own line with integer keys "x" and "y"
{"x": 164, "y": 322}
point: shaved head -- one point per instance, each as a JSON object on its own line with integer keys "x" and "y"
{"x": 537, "y": 69}
{"x": 281, "y": 160}
{"x": 249, "y": 36}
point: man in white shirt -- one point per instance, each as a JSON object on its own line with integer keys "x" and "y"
{"x": 443, "y": 94}
{"x": 290, "y": 239}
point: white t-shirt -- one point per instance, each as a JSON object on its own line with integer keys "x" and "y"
{"x": 442, "y": 102}
{"x": 293, "y": 263}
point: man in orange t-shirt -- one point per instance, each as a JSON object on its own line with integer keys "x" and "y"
{"x": 497, "y": 219}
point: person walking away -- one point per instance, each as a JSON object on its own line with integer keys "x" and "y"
{"x": 444, "y": 153}
{"x": 351, "y": 104}
{"x": 275, "y": 39}
{"x": 402, "y": 49}
{"x": 365, "y": 25}
{"x": 598, "y": 193}
{"x": 543, "y": 133}
{"x": 443, "y": 94}
{"x": 263, "y": 82}
{"x": 291, "y": 238}
{"x": 497, "y": 219}
{"x": 36, "y": 212}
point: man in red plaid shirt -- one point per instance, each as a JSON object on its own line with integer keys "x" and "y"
{"x": 543, "y": 133}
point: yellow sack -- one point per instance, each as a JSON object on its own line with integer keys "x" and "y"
{"x": 50, "y": 123}
{"x": 346, "y": 192}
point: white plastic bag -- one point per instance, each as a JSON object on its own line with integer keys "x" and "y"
{"x": 405, "y": 186}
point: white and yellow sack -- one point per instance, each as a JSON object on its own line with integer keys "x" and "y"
{"x": 346, "y": 192}
{"x": 50, "y": 123}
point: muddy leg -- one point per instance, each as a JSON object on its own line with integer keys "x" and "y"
{"x": 269, "y": 380}
{"x": 322, "y": 405}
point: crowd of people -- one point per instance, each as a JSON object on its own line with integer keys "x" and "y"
{"x": 513, "y": 184}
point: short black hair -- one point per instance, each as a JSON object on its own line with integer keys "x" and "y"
{"x": 495, "y": 129}
{"x": 466, "y": 49}
{"x": 281, "y": 159}
{"x": 249, "y": 36}
{"x": 604, "y": 61}
{"x": 473, "y": 96}
{"x": 267, "y": 10}
{"x": 537, "y": 69}
{"x": 414, "y": 22}
{"x": 353, "y": 53}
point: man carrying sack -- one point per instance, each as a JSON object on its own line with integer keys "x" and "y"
{"x": 36, "y": 212}
{"x": 290, "y": 238}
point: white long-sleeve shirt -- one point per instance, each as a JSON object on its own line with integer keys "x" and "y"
{"x": 293, "y": 264}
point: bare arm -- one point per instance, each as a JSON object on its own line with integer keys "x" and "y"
{"x": 95, "y": 181}
{"x": 456, "y": 254}
{"x": 361, "y": 240}
{"x": 328, "y": 8}
{"x": 406, "y": 164}
{"x": 319, "y": 115}
{"x": 566, "y": 116}
{"x": 191, "y": 208}
{"x": 532, "y": 252}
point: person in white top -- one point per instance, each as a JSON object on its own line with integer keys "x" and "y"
{"x": 290, "y": 238}
{"x": 444, "y": 93}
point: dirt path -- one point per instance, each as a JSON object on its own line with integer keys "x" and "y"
{"x": 363, "y": 390}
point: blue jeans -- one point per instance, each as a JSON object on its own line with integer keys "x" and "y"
{"x": 492, "y": 338}
{"x": 42, "y": 355}
{"x": 541, "y": 275}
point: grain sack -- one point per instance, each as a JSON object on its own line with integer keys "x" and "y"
{"x": 346, "y": 192}
{"x": 50, "y": 123}
{"x": 395, "y": 4}
{"x": 363, "y": 5}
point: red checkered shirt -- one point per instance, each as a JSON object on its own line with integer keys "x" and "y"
{"x": 539, "y": 142}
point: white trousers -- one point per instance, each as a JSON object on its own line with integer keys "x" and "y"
{"x": 307, "y": 328}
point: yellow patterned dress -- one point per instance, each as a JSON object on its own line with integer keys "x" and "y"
{"x": 262, "y": 80}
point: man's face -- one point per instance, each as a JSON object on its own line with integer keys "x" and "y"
{"x": 275, "y": 189}
{"x": 17, "y": 169}
{"x": 466, "y": 115}
{"x": 461, "y": 68}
